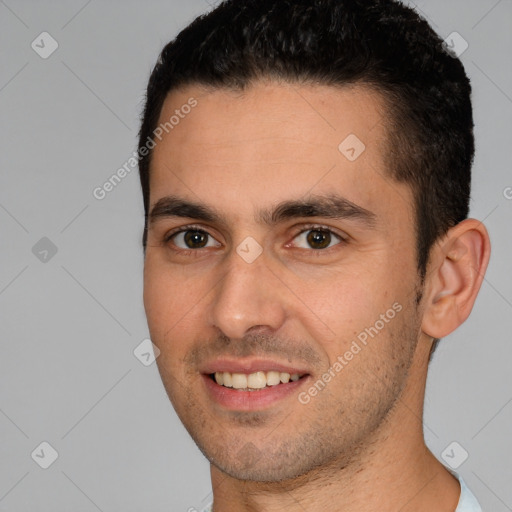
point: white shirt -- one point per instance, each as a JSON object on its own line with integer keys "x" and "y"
{"x": 467, "y": 502}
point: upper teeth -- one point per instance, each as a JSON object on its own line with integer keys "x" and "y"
{"x": 257, "y": 380}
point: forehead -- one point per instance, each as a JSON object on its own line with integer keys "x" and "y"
{"x": 301, "y": 119}
{"x": 273, "y": 142}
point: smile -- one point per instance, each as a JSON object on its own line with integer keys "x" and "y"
{"x": 253, "y": 381}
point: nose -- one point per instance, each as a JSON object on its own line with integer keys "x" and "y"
{"x": 248, "y": 296}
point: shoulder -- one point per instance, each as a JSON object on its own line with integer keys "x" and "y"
{"x": 467, "y": 501}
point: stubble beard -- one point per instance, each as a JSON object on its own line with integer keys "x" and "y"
{"x": 330, "y": 434}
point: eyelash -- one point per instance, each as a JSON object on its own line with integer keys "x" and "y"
{"x": 305, "y": 228}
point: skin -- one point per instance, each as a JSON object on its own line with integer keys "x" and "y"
{"x": 358, "y": 444}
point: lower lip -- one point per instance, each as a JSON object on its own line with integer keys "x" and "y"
{"x": 238, "y": 400}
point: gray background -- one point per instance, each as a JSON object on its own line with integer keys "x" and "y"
{"x": 70, "y": 324}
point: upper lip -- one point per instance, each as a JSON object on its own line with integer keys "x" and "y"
{"x": 250, "y": 366}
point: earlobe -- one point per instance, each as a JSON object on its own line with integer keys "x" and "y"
{"x": 458, "y": 265}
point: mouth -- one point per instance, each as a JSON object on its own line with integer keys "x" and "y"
{"x": 254, "y": 389}
{"x": 254, "y": 384}
{"x": 255, "y": 381}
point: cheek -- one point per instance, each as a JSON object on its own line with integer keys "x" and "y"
{"x": 163, "y": 310}
{"x": 155, "y": 298}
{"x": 333, "y": 308}
{"x": 342, "y": 306}
{"x": 174, "y": 300}
{"x": 164, "y": 300}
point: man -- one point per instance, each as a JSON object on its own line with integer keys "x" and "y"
{"x": 306, "y": 177}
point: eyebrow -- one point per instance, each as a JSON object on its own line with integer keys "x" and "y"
{"x": 331, "y": 206}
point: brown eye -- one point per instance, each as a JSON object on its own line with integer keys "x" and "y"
{"x": 187, "y": 239}
{"x": 195, "y": 239}
{"x": 317, "y": 238}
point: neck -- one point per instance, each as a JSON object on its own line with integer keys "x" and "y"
{"x": 394, "y": 471}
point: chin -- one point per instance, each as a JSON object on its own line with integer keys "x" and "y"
{"x": 263, "y": 472}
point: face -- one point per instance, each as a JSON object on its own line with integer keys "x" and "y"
{"x": 277, "y": 247}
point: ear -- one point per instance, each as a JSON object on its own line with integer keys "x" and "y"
{"x": 457, "y": 266}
